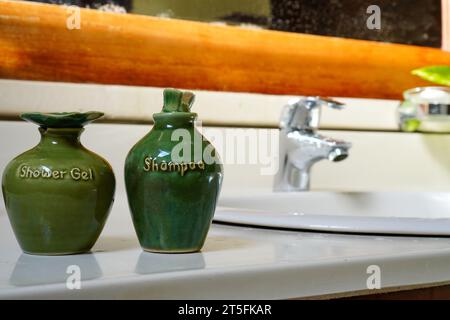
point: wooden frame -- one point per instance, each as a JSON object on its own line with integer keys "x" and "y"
{"x": 446, "y": 25}
{"x": 35, "y": 44}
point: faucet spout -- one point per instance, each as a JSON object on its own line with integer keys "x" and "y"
{"x": 338, "y": 154}
{"x": 301, "y": 147}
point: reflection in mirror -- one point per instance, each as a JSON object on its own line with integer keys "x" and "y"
{"x": 402, "y": 21}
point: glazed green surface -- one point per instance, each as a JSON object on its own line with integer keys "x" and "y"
{"x": 171, "y": 212}
{"x": 61, "y": 119}
{"x": 64, "y": 213}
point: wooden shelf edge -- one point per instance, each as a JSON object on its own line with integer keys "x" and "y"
{"x": 35, "y": 44}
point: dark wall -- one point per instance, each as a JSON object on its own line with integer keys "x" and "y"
{"x": 403, "y": 21}
{"x": 90, "y": 3}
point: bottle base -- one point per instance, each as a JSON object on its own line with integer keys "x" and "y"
{"x": 175, "y": 251}
{"x": 68, "y": 253}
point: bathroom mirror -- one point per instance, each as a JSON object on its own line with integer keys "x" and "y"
{"x": 403, "y": 21}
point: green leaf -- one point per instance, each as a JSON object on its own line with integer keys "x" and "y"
{"x": 436, "y": 74}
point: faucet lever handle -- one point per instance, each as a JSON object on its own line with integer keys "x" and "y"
{"x": 304, "y": 113}
{"x": 326, "y": 101}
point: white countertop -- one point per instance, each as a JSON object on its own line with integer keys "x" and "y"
{"x": 236, "y": 262}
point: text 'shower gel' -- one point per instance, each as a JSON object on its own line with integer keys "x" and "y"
{"x": 58, "y": 194}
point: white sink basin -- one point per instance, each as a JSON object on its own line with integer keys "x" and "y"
{"x": 374, "y": 212}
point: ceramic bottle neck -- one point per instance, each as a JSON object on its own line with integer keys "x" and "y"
{"x": 174, "y": 120}
{"x": 60, "y": 136}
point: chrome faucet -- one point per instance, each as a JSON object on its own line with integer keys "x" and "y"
{"x": 301, "y": 146}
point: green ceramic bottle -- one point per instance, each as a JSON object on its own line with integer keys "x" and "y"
{"x": 173, "y": 177}
{"x": 58, "y": 194}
